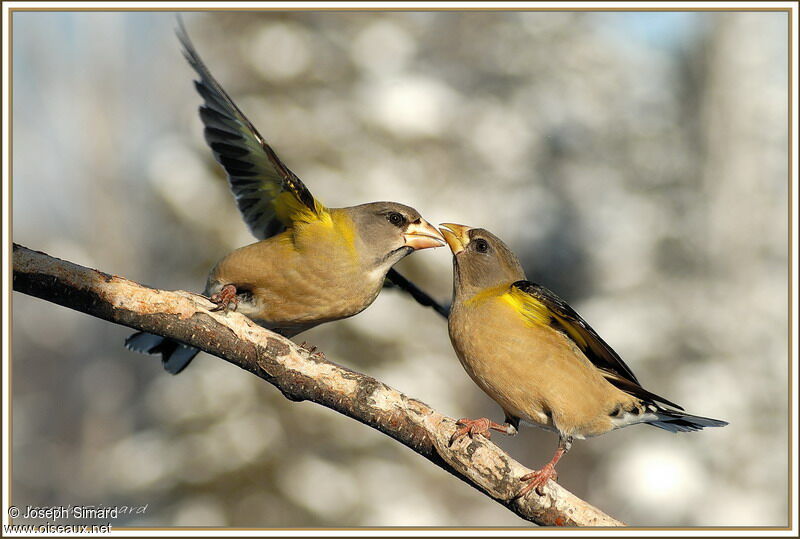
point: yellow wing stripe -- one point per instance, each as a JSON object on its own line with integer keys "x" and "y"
{"x": 290, "y": 210}
{"x": 536, "y": 313}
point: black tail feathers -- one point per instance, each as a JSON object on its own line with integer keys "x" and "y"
{"x": 675, "y": 421}
{"x": 175, "y": 356}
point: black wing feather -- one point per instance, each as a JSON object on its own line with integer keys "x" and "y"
{"x": 590, "y": 343}
{"x": 255, "y": 173}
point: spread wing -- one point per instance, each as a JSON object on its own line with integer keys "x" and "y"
{"x": 269, "y": 195}
{"x": 542, "y": 306}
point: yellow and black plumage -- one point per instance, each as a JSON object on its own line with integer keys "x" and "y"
{"x": 537, "y": 358}
{"x": 313, "y": 264}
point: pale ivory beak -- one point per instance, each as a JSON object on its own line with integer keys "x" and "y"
{"x": 456, "y": 236}
{"x": 422, "y": 235}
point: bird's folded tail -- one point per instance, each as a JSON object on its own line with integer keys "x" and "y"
{"x": 675, "y": 421}
{"x": 175, "y": 356}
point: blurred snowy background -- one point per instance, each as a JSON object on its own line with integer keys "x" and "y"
{"x": 637, "y": 163}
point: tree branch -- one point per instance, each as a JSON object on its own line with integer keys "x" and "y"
{"x": 299, "y": 375}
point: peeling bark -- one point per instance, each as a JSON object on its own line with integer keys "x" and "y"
{"x": 300, "y": 375}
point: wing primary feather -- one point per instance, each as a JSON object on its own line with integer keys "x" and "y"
{"x": 207, "y": 86}
{"x": 563, "y": 318}
{"x": 216, "y": 121}
{"x": 577, "y": 329}
{"x": 636, "y": 390}
{"x": 228, "y": 149}
{"x": 241, "y": 150}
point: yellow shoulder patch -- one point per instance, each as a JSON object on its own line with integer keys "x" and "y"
{"x": 290, "y": 210}
{"x": 333, "y": 234}
{"x": 345, "y": 227}
{"x": 489, "y": 293}
{"x": 534, "y": 311}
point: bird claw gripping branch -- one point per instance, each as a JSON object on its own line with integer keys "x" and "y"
{"x": 312, "y": 350}
{"x": 225, "y": 298}
{"x": 537, "y": 479}
{"x": 474, "y": 427}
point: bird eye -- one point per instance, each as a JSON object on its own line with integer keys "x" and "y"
{"x": 395, "y": 218}
{"x": 481, "y": 245}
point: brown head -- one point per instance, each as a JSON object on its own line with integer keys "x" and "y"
{"x": 385, "y": 232}
{"x": 480, "y": 260}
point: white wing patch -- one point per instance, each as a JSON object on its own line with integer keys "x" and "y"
{"x": 625, "y": 419}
